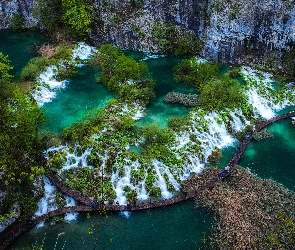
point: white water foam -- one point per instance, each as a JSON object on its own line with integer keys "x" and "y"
{"x": 46, "y": 204}
{"x": 46, "y": 91}
{"x": 73, "y": 159}
{"x": 73, "y": 215}
{"x": 260, "y": 92}
{"x": 83, "y": 51}
{"x": 49, "y": 85}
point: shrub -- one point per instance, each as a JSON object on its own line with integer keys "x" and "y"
{"x": 17, "y": 22}
{"x": 34, "y": 68}
{"x": 221, "y": 93}
{"x": 194, "y": 72}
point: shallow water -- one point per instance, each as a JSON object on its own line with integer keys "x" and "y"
{"x": 72, "y": 103}
{"x": 180, "y": 226}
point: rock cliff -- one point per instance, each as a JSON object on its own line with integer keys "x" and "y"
{"x": 233, "y": 31}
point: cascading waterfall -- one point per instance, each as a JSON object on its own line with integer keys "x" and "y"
{"x": 209, "y": 131}
{"x": 260, "y": 92}
{"x": 46, "y": 204}
{"x": 236, "y": 123}
{"x": 48, "y": 85}
{"x": 161, "y": 181}
{"x": 70, "y": 216}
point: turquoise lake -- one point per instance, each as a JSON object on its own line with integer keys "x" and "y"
{"x": 180, "y": 226}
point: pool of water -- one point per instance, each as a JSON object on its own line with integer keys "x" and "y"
{"x": 274, "y": 158}
{"x": 72, "y": 103}
{"x": 20, "y": 47}
{"x": 178, "y": 226}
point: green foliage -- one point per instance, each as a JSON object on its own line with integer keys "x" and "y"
{"x": 221, "y": 93}
{"x": 77, "y": 17}
{"x": 65, "y": 71}
{"x": 125, "y": 123}
{"x": 123, "y": 75}
{"x": 80, "y": 130}
{"x": 153, "y": 134}
{"x": 188, "y": 44}
{"x": 34, "y": 68}
{"x": 49, "y": 13}
{"x": 64, "y": 52}
{"x": 173, "y": 40}
{"x": 178, "y": 123}
{"x": 194, "y": 72}
{"x": 17, "y": 22}
{"x": 5, "y": 67}
{"x": 73, "y": 17}
{"x": 20, "y": 145}
{"x": 157, "y": 142}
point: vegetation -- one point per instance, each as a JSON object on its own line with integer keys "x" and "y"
{"x": 251, "y": 213}
{"x": 20, "y": 144}
{"x": 221, "y": 93}
{"x": 34, "y": 68}
{"x": 19, "y": 139}
{"x": 77, "y": 17}
{"x": 173, "y": 40}
{"x": 123, "y": 75}
{"x": 72, "y": 17}
{"x": 17, "y": 22}
{"x": 61, "y": 58}
{"x": 195, "y": 72}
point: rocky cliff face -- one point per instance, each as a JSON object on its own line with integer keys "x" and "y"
{"x": 8, "y": 8}
{"x": 234, "y": 31}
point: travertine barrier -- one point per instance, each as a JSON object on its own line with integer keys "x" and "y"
{"x": 95, "y": 206}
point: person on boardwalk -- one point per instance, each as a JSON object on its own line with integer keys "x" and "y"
{"x": 92, "y": 204}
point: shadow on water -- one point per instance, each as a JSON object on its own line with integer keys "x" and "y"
{"x": 179, "y": 226}
{"x": 20, "y": 47}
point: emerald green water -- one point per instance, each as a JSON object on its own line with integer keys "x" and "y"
{"x": 20, "y": 47}
{"x": 174, "y": 227}
{"x": 81, "y": 95}
{"x": 180, "y": 226}
{"x": 162, "y": 73}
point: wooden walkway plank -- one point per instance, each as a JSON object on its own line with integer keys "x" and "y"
{"x": 144, "y": 206}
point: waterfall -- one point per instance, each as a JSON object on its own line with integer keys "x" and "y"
{"x": 73, "y": 215}
{"x": 46, "y": 204}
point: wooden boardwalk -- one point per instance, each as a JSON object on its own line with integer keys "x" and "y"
{"x": 89, "y": 207}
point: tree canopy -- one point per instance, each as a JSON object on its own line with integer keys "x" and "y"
{"x": 221, "y": 93}
{"x": 74, "y": 17}
{"x": 195, "y": 72}
{"x": 123, "y": 75}
{"x": 19, "y": 139}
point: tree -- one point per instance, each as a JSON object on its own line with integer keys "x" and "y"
{"x": 20, "y": 144}
{"x": 49, "y": 13}
{"x": 195, "y": 72}
{"x": 4, "y": 69}
{"x": 77, "y": 17}
{"x": 123, "y": 75}
{"x": 221, "y": 93}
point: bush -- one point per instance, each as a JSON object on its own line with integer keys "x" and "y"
{"x": 221, "y": 93}
{"x": 34, "y": 68}
{"x": 194, "y": 72}
{"x": 17, "y": 22}
{"x": 63, "y": 53}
